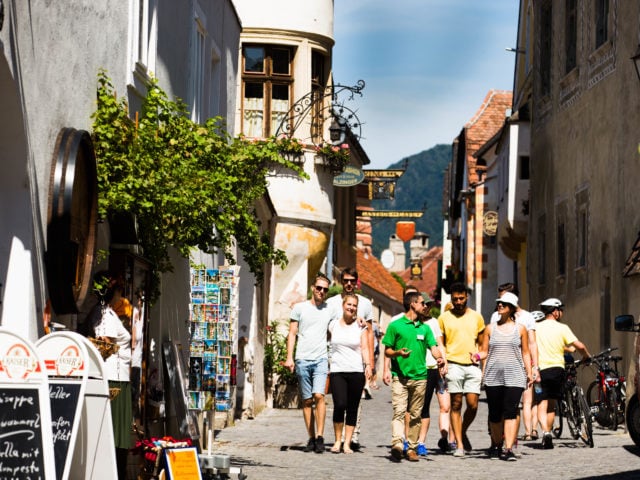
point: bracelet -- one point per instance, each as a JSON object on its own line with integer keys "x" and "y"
{"x": 477, "y": 357}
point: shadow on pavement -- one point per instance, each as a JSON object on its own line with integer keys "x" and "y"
{"x": 615, "y": 476}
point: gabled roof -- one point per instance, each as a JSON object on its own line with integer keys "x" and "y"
{"x": 430, "y": 271}
{"x": 484, "y": 125}
{"x": 372, "y": 274}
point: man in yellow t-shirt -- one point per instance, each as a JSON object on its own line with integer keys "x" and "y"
{"x": 552, "y": 338}
{"x": 462, "y": 330}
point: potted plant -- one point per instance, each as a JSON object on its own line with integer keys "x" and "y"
{"x": 336, "y": 157}
{"x": 283, "y": 381}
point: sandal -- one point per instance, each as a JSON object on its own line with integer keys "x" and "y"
{"x": 526, "y": 437}
{"x": 534, "y": 434}
{"x": 347, "y": 450}
{"x": 335, "y": 449}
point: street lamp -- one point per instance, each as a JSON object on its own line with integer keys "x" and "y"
{"x": 337, "y": 130}
{"x": 636, "y": 61}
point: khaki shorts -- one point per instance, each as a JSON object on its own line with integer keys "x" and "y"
{"x": 463, "y": 378}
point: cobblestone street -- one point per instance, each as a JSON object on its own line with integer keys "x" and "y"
{"x": 270, "y": 447}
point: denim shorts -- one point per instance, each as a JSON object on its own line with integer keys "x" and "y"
{"x": 312, "y": 376}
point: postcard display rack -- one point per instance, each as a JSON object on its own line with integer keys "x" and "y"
{"x": 214, "y": 320}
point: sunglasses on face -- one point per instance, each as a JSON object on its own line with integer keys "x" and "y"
{"x": 349, "y": 280}
{"x": 500, "y": 304}
{"x": 321, "y": 289}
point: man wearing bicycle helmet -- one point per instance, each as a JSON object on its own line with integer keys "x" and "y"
{"x": 552, "y": 337}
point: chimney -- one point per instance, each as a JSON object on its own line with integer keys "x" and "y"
{"x": 396, "y": 245}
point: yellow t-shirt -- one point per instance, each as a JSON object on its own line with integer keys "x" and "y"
{"x": 460, "y": 334}
{"x": 551, "y": 337}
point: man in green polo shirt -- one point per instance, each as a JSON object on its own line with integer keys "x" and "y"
{"x": 406, "y": 342}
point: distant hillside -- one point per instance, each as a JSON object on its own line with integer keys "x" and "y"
{"x": 421, "y": 183}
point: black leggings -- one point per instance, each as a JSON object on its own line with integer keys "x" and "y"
{"x": 432, "y": 383}
{"x": 346, "y": 390}
{"x": 503, "y": 402}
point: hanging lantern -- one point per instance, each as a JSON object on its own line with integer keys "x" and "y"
{"x": 405, "y": 230}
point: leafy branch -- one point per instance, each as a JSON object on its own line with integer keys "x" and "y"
{"x": 180, "y": 179}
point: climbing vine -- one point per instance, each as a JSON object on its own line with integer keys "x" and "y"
{"x": 190, "y": 185}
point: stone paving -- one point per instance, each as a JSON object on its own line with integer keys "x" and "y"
{"x": 270, "y": 447}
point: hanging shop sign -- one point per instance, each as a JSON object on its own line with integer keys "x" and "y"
{"x": 350, "y": 177}
{"x": 25, "y": 416}
{"x": 490, "y": 223}
{"x": 405, "y": 230}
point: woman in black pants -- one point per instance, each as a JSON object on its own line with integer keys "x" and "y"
{"x": 350, "y": 369}
{"x": 507, "y": 373}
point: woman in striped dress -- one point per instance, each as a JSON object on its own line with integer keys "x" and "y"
{"x": 507, "y": 372}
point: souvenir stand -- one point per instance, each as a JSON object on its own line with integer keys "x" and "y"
{"x": 214, "y": 322}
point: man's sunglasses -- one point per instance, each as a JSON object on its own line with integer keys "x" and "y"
{"x": 350, "y": 280}
{"x": 321, "y": 289}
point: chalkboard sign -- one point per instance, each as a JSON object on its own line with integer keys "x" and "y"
{"x": 64, "y": 398}
{"x": 21, "y": 445}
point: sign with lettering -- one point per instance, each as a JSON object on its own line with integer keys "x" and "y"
{"x": 182, "y": 463}
{"x": 66, "y": 363}
{"x": 26, "y": 445}
{"x": 350, "y": 177}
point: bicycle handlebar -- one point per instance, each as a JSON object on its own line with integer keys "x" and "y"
{"x": 604, "y": 352}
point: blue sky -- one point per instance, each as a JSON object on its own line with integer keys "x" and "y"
{"x": 427, "y": 64}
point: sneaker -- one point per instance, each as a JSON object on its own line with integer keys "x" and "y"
{"x": 319, "y": 444}
{"x": 412, "y": 456}
{"x": 453, "y": 446}
{"x": 466, "y": 444}
{"x": 422, "y": 450}
{"x": 516, "y": 450}
{"x": 509, "y": 456}
{"x": 547, "y": 441}
{"x": 494, "y": 452}
{"x": 458, "y": 452}
{"x": 311, "y": 445}
{"x": 405, "y": 447}
{"x": 396, "y": 452}
{"x": 367, "y": 393}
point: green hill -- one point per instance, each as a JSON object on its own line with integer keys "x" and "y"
{"x": 420, "y": 184}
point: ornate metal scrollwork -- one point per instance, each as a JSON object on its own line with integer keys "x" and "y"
{"x": 345, "y": 118}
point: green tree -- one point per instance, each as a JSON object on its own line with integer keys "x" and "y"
{"x": 180, "y": 179}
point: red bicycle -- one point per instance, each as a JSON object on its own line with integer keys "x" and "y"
{"x": 606, "y": 394}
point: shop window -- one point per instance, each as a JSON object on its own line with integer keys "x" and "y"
{"x": 602, "y": 21}
{"x": 582, "y": 237}
{"x": 571, "y": 35}
{"x": 562, "y": 248}
{"x": 524, "y": 167}
{"x": 266, "y": 95}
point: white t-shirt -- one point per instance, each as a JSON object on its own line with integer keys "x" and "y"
{"x": 365, "y": 308}
{"x": 435, "y": 328}
{"x": 109, "y": 325}
{"x": 346, "y": 351}
{"x": 523, "y": 317}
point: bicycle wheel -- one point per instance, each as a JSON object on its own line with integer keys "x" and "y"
{"x": 557, "y": 421}
{"x": 612, "y": 406}
{"x": 601, "y": 410}
{"x": 584, "y": 417}
{"x": 572, "y": 415}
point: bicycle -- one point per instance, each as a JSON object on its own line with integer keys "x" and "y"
{"x": 573, "y": 407}
{"x": 606, "y": 394}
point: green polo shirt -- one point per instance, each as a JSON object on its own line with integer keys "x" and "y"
{"x": 415, "y": 336}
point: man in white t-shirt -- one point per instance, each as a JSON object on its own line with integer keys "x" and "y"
{"x": 524, "y": 317}
{"x": 349, "y": 281}
{"x": 308, "y": 328}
